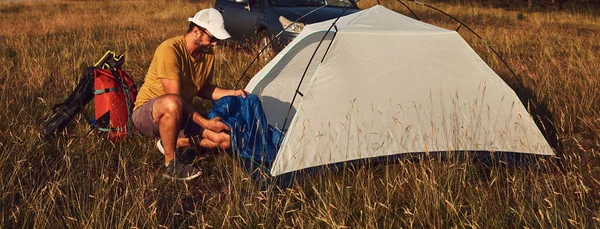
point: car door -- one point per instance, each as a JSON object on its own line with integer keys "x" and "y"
{"x": 240, "y": 18}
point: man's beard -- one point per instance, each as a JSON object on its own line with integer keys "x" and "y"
{"x": 205, "y": 48}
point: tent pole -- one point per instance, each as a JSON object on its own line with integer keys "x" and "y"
{"x": 306, "y": 70}
{"x": 330, "y": 43}
{"x": 409, "y": 9}
{"x": 267, "y": 45}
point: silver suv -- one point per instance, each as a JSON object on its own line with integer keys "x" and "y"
{"x": 261, "y": 20}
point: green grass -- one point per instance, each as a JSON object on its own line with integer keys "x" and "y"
{"x": 80, "y": 180}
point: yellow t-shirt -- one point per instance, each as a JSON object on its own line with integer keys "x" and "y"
{"x": 173, "y": 61}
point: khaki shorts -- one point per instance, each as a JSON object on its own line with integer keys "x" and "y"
{"x": 145, "y": 124}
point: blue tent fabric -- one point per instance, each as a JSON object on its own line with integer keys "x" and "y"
{"x": 251, "y": 135}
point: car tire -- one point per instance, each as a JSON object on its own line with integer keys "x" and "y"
{"x": 263, "y": 39}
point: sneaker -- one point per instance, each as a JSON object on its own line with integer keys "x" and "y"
{"x": 182, "y": 172}
{"x": 160, "y": 147}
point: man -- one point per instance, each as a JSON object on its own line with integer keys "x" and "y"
{"x": 181, "y": 69}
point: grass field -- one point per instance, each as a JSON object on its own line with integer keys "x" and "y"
{"x": 83, "y": 181}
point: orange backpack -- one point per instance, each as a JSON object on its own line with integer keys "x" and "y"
{"x": 114, "y": 95}
{"x": 113, "y": 92}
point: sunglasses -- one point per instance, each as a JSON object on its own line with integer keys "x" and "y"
{"x": 212, "y": 38}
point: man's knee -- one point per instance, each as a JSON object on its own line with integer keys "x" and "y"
{"x": 169, "y": 104}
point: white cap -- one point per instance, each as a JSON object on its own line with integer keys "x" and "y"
{"x": 211, "y": 20}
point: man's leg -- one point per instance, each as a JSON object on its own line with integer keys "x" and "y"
{"x": 167, "y": 113}
{"x": 162, "y": 116}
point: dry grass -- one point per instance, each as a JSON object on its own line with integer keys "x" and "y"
{"x": 83, "y": 181}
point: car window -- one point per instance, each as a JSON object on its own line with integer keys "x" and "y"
{"x": 252, "y": 3}
{"x": 255, "y": 3}
{"x": 299, "y": 3}
{"x": 296, "y": 3}
{"x": 340, "y": 3}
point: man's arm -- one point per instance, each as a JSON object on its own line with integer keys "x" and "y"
{"x": 173, "y": 87}
{"x": 212, "y": 92}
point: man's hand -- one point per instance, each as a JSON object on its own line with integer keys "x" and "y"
{"x": 216, "y": 125}
{"x": 239, "y": 92}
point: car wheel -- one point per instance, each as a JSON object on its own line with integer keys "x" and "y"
{"x": 264, "y": 38}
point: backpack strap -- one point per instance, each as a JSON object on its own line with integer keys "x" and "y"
{"x": 102, "y": 91}
{"x": 108, "y": 129}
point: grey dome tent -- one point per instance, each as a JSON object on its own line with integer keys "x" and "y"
{"x": 383, "y": 84}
